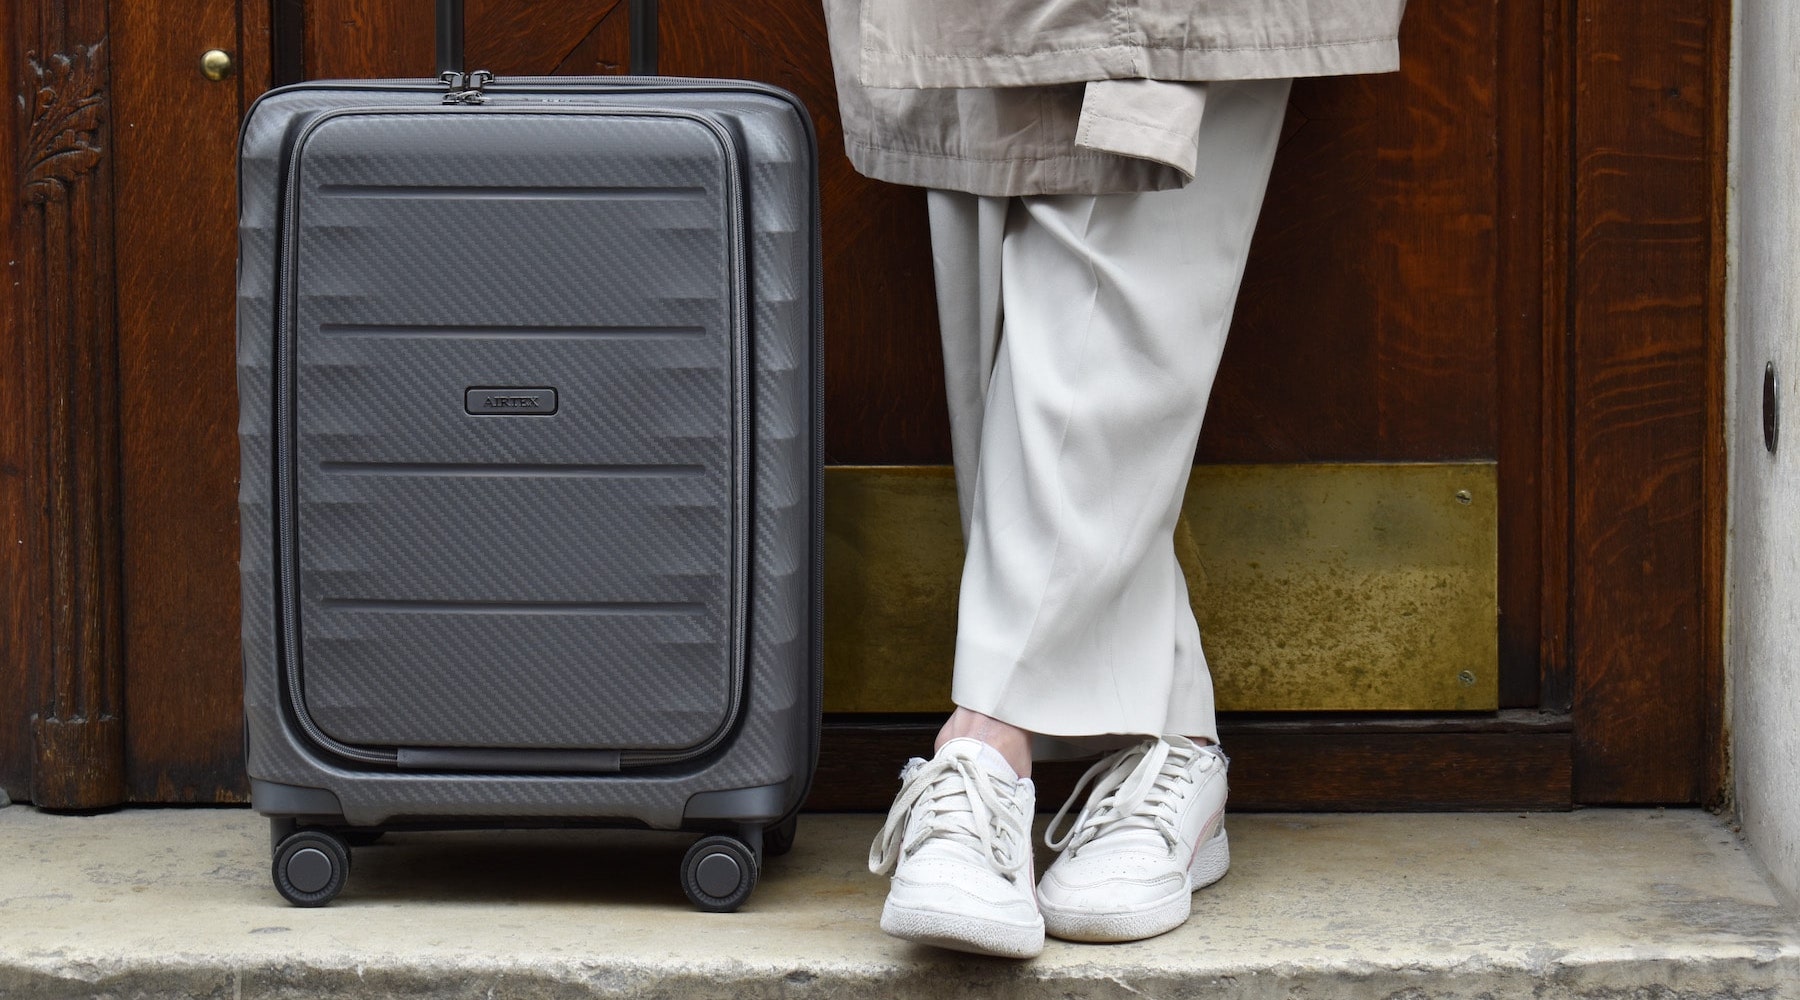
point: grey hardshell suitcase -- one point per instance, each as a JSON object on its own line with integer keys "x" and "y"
{"x": 529, "y": 416}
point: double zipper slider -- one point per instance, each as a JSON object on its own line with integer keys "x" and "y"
{"x": 465, "y": 89}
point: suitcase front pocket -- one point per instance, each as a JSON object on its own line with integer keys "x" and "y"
{"x": 514, "y": 405}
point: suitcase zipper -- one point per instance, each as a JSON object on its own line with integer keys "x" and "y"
{"x": 465, "y": 89}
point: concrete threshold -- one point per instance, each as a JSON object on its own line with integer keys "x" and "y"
{"x": 1600, "y": 903}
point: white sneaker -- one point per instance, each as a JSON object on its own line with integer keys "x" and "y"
{"x": 1152, "y": 832}
{"x": 958, "y": 843}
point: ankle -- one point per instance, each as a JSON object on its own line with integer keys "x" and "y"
{"x": 1013, "y": 743}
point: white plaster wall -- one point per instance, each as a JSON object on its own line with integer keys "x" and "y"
{"x": 1764, "y": 554}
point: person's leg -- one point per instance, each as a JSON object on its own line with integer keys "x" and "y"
{"x": 1073, "y": 615}
{"x": 966, "y": 240}
{"x": 1077, "y": 391}
{"x": 957, "y": 840}
{"x": 1013, "y": 743}
{"x": 966, "y": 235}
{"x": 1103, "y": 461}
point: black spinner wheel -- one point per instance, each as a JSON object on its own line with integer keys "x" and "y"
{"x": 311, "y": 867}
{"x": 718, "y": 873}
{"x": 778, "y": 838}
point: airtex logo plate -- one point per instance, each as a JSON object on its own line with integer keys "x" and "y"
{"x": 510, "y": 401}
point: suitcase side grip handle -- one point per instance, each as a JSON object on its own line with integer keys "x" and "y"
{"x": 450, "y": 23}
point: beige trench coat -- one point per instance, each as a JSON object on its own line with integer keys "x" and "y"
{"x": 1012, "y": 97}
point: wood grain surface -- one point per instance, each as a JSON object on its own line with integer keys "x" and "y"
{"x": 541, "y": 37}
{"x": 1366, "y": 325}
{"x": 1643, "y": 297}
{"x": 1715, "y": 525}
{"x": 62, "y": 291}
{"x": 176, "y": 208}
{"x": 1555, "y": 213}
{"x": 1524, "y": 445}
{"x": 1436, "y": 195}
{"x": 21, "y": 611}
{"x": 365, "y": 39}
{"x": 370, "y": 39}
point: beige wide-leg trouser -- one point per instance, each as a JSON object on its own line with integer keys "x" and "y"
{"x": 1081, "y": 336}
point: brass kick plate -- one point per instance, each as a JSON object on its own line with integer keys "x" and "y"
{"x": 1363, "y": 586}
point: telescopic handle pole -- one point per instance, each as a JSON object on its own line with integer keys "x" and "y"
{"x": 449, "y": 36}
{"x": 643, "y": 37}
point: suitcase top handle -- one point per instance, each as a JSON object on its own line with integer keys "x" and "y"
{"x": 450, "y": 37}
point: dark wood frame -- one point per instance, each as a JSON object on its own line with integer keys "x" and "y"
{"x": 1644, "y": 312}
{"x": 1512, "y": 760}
{"x": 62, "y": 739}
{"x": 1612, "y": 229}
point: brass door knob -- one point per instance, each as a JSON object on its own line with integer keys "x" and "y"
{"x": 216, "y": 64}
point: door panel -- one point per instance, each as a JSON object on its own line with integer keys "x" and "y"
{"x": 1510, "y": 250}
{"x": 21, "y": 629}
{"x": 1366, "y": 323}
{"x": 176, "y": 197}
{"x": 1647, "y": 452}
{"x": 61, "y": 679}
{"x": 357, "y": 39}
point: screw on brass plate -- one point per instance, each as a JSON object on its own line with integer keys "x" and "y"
{"x": 1464, "y": 497}
{"x": 1771, "y": 408}
{"x": 1466, "y": 679}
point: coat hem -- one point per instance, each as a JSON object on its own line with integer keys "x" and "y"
{"x": 1018, "y": 175}
{"x": 930, "y": 71}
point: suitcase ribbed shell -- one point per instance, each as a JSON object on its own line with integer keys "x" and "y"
{"x": 529, "y": 425}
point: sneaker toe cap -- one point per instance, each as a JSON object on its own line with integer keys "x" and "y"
{"x": 1113, "y": 880}
{"x": 956, "y": 889}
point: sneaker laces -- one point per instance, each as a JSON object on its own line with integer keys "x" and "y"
{"x": 953, "y": 798}
{"x": 1138, "y": 789}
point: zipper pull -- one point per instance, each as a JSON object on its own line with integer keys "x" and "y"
{"x": 465, "y": 89}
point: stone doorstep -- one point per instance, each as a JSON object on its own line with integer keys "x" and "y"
{"x": 1600, "y": 903}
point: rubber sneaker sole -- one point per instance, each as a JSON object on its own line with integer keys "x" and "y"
{"x": 960, "y": 932}
{"x": 1148, "y": 920}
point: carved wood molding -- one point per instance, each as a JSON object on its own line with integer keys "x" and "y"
{"x": 65, "y": 112}
{"x": 69, "y": 349}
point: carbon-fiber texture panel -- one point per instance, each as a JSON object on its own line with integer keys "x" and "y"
{"x": 638, "y": 516}
{"x": 563, "y": 580}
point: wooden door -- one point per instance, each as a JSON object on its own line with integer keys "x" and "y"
{"x": 120, "y": 652}
{"x": 1508, "y": 252}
